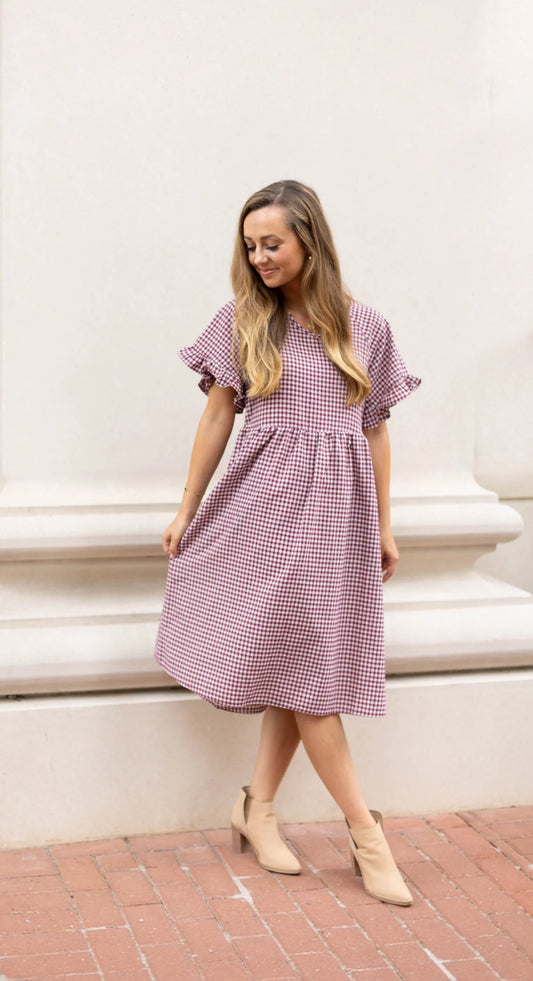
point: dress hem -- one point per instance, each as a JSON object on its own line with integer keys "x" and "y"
{"x": 257, "y": 709}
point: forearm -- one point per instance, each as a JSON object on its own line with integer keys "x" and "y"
{"x": 378, "y": 441}
{"x": 209, "y": 444}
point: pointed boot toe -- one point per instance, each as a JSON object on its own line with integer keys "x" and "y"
{"x": 253, "y": 824}
{"x": 373, "y": 861}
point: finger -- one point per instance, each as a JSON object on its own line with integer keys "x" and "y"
{"x": 389, "y": 567}
{"x": 387, "y": 563}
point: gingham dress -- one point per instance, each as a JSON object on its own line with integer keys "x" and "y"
{"x": 275, "y": 596}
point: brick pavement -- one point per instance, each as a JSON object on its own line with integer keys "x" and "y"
{"x": 184, "y": 907}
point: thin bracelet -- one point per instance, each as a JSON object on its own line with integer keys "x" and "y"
{"x": 193, "y": 492}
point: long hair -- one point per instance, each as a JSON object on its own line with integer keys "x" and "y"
{"x": 260, "y": 316}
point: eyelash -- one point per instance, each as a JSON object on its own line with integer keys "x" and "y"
{"x": 270, "y": 248}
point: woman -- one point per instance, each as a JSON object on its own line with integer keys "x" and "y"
{"x": 274, "y": 599}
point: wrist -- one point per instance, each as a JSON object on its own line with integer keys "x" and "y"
{"x": 192, "y": 496}
{"x": 190, "y": 502}
{"x": 190, "y": 493}
{"x": 186, "y": 514}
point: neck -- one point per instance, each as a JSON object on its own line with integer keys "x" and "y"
{"x": 292, "y": 294}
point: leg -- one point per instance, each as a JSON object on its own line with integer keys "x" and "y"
{"x": 326, "y": 745}
{"x": 277, "y": 746}
{"x": 253, "y": 820}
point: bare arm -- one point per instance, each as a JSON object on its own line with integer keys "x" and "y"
{"x": 214, "y": 428}
{"x": 378, "y": 441}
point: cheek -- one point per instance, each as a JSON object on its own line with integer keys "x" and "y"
{"x": 299, "y": 261}
{"x": 291, "y": 260}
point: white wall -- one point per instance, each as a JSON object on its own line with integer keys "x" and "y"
{"x": 133, "y": 131}
{"x": 503, "y": 448}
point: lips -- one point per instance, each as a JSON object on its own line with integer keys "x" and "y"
{"x": 267, "y": 272}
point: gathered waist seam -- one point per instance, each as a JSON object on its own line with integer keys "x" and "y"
{"x": 301, "y": 429}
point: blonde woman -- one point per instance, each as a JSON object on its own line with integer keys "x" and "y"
{"x": 274, "y": 598}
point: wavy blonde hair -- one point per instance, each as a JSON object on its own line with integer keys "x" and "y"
{"x": 261, "y": 320}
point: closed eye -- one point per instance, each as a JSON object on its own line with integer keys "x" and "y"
{"x": 270, "y": 248}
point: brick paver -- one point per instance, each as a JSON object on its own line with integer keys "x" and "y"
{"x": 184, "y": 907}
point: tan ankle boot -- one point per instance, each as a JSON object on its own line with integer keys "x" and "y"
{"x": 372, "y": 859}
{"x": 253, "y": 823}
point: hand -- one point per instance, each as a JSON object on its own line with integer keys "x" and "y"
{"x": 389, "y": 555}
{"x": 173, "y": 535}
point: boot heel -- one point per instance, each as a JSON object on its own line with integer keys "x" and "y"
{"x": 355, "y": 863}
{"x": 238, "y": 841}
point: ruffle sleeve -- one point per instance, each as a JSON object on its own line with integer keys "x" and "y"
{"x": 390, "y": 380}
{"x": 214, "y": 355}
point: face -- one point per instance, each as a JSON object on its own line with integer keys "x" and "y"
{"x": 273, "y": 249}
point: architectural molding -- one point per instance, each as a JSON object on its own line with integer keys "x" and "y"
{"x": 84, "y": 587}
{"x": 465, "y": 515}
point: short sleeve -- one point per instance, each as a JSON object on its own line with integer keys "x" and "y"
{"x": 390, "y": 380}
{"x": 214, "y": 355}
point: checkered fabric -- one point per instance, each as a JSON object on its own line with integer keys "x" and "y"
{"x": 275, "y": 596}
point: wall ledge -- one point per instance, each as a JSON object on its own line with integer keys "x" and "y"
{"x": 465, "y": 516}
{"x": 84, "y": 590}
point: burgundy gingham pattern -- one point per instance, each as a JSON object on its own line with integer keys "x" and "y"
{"x": 275, "y": 596}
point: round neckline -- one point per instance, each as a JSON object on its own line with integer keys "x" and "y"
{"x": 298, "y": 324}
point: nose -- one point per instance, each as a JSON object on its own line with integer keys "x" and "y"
{"x": 261, "y": 257}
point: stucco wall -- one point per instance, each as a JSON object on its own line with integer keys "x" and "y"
{"x": 132, "y": 133}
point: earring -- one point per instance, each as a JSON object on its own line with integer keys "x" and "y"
{"x": 309, "y": 256}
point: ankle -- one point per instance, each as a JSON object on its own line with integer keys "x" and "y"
{"x": 261, "y": 796}
{"x": 360, "y": 821}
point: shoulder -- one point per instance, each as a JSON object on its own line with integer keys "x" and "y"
{"x": 218, "y": 332}
{"x": 369, "y": 327}
{"x": 368, "y": 319}
{"x": 224, "y": 315}
{"x": 220, "y": 326}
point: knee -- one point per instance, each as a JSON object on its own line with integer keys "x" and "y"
{"x": 303, "y": 719}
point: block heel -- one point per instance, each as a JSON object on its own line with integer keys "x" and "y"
{"x": 238, "y": 842}
{"x": 355, "y": 863}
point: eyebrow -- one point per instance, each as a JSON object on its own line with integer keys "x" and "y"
{"x": 262, "y": 239}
